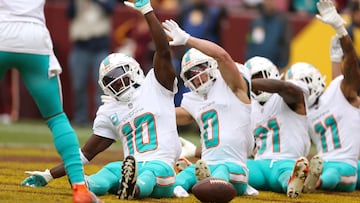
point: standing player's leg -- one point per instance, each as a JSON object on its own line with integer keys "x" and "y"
{"x": 47, "y": 95}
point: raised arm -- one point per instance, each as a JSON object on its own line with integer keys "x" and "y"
{"x": 226, "y": 65}
{"x": 350, "y": 69}
{"x": 162, "y": 61}
{"x": 336, "y": 56}
{"x": 292, "y": 94}
{"x": 351, "y": 83}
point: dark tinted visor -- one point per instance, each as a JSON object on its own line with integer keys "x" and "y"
{"x": 115, "y": 73}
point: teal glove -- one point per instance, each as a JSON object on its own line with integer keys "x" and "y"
{"x": 37, "y": 178}
{"x": 143, "y": 6}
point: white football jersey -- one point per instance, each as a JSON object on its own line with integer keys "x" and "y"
{"x": 224, "y": 123}
{"x": 146, "y": 125}
{"x": 22, "y": 11}
{"x": 335, "y": 126}
{"x": 23, "y": 28}
{"x": 280, "y": 133}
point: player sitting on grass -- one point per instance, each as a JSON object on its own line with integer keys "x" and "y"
{"x": 334, "y": 114}
{"x": 279, "y": 126}
{"x": 220, "y": 104}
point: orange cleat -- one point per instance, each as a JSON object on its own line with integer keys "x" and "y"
{"x": 181, "y": 164}
{"x": 81, "y": 194}
{"x": 298, "y": 176}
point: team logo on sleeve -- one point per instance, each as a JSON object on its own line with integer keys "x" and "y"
{"x": 114, "y": 119}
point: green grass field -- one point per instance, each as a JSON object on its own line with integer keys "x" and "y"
{"x": 27, "y": 145}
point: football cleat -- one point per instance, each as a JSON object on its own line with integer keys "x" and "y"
{"x": 316, "y": 166}
{"x": 298, "y": 176}
{"x": 82, "y": 195}
{"x": 181, "y": 164}
{"x": 128, "y": 179}
{"x": 202, "y": 170}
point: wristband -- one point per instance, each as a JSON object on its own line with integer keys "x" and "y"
{"x": 146, "y": 9}
{"x": 84, "y": 160}
{"x": 341, "y": 31}
{"x": 47, "y": 176}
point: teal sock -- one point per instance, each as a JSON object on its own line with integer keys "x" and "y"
{"x": 67, "y": 145}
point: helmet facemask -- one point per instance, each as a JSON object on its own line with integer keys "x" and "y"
{"x": 262, "y": 67}
{"x": 198, "y": 71}
{"x": 120, "y": 75}
{"x": 199, "y": 78}
{"x": 117, "y": 82}
{"x": 316, "y": 87}
{"x": 260, "y": 96}
{"x": 311, "y": 76}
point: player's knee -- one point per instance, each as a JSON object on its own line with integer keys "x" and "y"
{"x": 98, "y": 187}
{"x": 330, "y": 179}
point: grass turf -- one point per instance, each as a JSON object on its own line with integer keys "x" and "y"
{"x": 27, "y": 145}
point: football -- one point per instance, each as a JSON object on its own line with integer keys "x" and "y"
{"x": 214, "y": 190}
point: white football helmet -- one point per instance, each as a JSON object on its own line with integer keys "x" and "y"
{"x": 194, "y": 65}
{"x": 119, "y": 76}
{"x": 257, "y": 65}
{"x": 311, "y": 76}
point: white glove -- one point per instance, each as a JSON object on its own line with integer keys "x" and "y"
{"x": 336, "y": 52}
{"x": 329, "y": 15}
{"x": 107, "y": 99}
{"x": 188, "y": 149}
{"x": 143, "y": 6}
{"x": 172, "y": 29}
{"x": 37, "y": 178}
